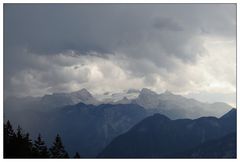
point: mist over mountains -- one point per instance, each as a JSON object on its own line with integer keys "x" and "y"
{"x": 167, "y": 103}
{"x": 88, "y": 123}
{"x": 126, "y": 58}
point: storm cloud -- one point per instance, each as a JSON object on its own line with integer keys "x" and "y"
{"x": 186, "y": 48}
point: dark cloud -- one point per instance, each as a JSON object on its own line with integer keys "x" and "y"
{"x": 50, "y": 29}
{"x": 168, "y": 24}
{"x": 147, "y": 39}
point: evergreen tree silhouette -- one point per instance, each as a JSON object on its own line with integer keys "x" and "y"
{"x": 17, "y": 144}
{"x": 76, "y": 155}
{"x": 40, "y": 150}
{"x": 23, "y": 145}
{"x": 9, "y": 136}
{"x": 57, "y": 150}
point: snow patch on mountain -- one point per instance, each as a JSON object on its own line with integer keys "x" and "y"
{"x": 124, "y": 96}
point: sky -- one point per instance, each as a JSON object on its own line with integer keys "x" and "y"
{"x": 189, "y": 49}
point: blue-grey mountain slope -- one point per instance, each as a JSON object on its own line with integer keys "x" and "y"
{"x": 158, "y": 136}
{"x": 83, "y": 128}
{"x": 224, "y": 147}
{"x": 86, "y": 125}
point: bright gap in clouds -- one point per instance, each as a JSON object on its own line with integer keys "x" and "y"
{"x": 216, "y": 72}
{"x": 116, "y": 47}
{"x": 211, "y": 79}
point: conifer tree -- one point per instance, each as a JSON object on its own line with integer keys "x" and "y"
{"x": 8, "y": 130}
{"x": 9, "y": 136}
{"x": 40, "y": 150}
{"x": 57, "y": 150}
{"x": 19, "y": 145}
{"x": 23, "y": 144}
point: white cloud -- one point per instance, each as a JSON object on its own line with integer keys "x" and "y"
{"x": 185, "y": 48}
{"x": 69, "y": 72}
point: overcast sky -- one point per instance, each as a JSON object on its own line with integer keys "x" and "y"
{"x": 189, "y": 49}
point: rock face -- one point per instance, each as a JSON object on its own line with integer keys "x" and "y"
{"x": 148, "y": 99}
{"x": 63, "y": 99}
{"x": 177, "y": 106}
{"x": 158, "y": 136}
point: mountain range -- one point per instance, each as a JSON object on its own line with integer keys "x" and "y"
{"x": 167, "y": 103}
{"x": 158, "y": 136}
{"x": 90, "y": 123}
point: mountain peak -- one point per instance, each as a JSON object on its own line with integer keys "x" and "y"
{"x": 83, "y": 91}
{"x": 146, "y": 91}
{"x": 147, "y": 98}
{"x": 84, "y": 96}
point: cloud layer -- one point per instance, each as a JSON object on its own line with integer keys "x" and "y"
{"x": 186, "y": 48}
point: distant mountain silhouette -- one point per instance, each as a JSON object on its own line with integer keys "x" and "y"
{"x": 88, "y": 126}
{"x": 167, "y": 103}
{"x": 158, "y": 136}
{"x": 50, "y": 101}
